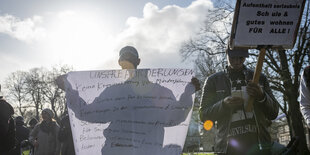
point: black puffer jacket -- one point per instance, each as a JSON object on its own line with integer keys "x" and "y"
{"x": 216, "y": 88}
{"x": 7, "y": 127}
{"x": 22, "y": 133}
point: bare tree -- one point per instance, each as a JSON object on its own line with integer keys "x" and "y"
{"x": 15, "y": 85}
{"x": 34, "y": 88}
{"x": 208, "y": 47}
{"x": 283, "y": 67}
{"x": 53, "y": 94}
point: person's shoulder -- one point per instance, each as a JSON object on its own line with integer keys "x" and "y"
{"x": 159, "y": 89}
{"x": 156, "y": 85}
{"x": 37, "y": 126}
{"x": 117, "y": 86}
{"x": 25, "y": 129}
{"x": 6, "y": 107}
{"x": 216, "y": 75}
{"x": 251, "y": 72}
{"x": 55, "y": 124}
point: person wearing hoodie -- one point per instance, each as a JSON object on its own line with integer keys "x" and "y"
{"x": 44, "y": 135}
{"x": 22, "y": 133}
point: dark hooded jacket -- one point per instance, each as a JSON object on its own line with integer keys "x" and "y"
{"x": 7, "y": 127}
{"x": 22, "y": 133}
{"x": 216, "y": 88}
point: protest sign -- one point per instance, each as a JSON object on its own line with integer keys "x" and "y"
{"x": 266, "y": 22}
{"x": 132, "y": 112}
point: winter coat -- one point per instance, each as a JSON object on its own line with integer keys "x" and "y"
{"x": 22, "y": 133}
{"x": 216, "y": 88}
{"x": 7, "y": 127}
{"x": 46, "y": 135}
{"x": 65, "y": 137}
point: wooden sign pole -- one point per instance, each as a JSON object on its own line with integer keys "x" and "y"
{"x": 256, "y": 76}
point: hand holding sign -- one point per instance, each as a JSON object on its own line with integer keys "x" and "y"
{"x": 255, "y": 91}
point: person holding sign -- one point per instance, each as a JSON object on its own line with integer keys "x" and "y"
{"x": 224, "y": 98}
{"x": 137, "y": 110}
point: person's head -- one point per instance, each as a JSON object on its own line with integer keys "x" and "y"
{"x": 236, "y": 57}
{"x": 47, "y": 114}
{"x": 128, "y": 58}
{"x": 19, "y": 120}
{"x": 33, "y": 122}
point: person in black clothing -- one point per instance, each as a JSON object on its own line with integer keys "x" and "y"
{"x": 7, "y": 127}
{"x": 224, "y": 98}
{"x": 65, "y": 137}
{"x": 22, "y": 133}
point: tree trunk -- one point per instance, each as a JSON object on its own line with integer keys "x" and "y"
{"x": 297, "y": 124}
{"x": 289, "y": 122}
{"x": 37, "y": 112}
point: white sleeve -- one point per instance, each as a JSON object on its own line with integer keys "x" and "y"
{"x": 304, "y": 99}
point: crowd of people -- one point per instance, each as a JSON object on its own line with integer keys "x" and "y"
{"x": 224, "y": 100}
{"x": 37, "y": 138}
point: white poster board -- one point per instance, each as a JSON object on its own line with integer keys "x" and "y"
{"x": 132, "y": 112}
{"x": 266, "y": 22}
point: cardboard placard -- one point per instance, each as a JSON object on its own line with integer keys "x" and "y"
{"x": 266, "y": 22}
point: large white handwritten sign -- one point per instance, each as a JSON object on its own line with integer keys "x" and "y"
{"x": 266, "y": 22}
{"x": 130, "y": 112}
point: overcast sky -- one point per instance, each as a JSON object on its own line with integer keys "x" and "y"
{"x": 89, "y": 34}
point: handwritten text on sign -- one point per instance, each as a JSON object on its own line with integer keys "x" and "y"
{"x": 267, "y": 22}
{"x": 130, "y": 112}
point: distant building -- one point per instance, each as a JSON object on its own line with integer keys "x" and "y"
{"x": 280, "y": 131}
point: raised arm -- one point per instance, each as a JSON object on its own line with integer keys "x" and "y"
{"x": 91, "y": 112}
{"x": 178, "y": 110}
